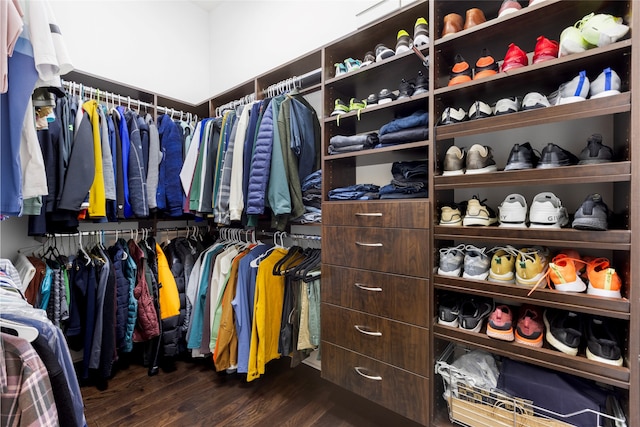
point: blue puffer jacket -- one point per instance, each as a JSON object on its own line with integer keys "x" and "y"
{"x": 130, "y": 269}
{"x": 169, "y": 194}
{"x": 137, "y": 176}
{"x": 260, "y": 165}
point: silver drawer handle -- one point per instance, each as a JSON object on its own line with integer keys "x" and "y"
{"x": 368, "y": 214}
{"x": 362, "y": 329}
{"x": 370, "y": 245}
{"x": 359, "y": 369}
{"x": 367, "y": 288}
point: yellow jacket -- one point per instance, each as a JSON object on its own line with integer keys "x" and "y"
{"x": 97, "y": 197}
{"x": 168, "y": 292}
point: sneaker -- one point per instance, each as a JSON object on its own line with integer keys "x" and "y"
{"x": 454, "y": 161}
{"x": 472, "y": 314}
{"x": 385, "y": 96}
{"x": 547, "y": 212}
{"x": 522, "y": 156}
{"x": 534, "y": 100}
{"x": 602, "y": 29}
{"x": 506, "y": 106}
{"x": 357, "y": 105}
{"x": 606, "y": 84}
{"x": 449, "y": 310}
{"x": 405, "y": 89}
{"x": 592, "y": 214}
{"x": 372, "y": 99}
{"x": 339, "y": 108}
{"x": 452, "y": 115}
{"x": 341, "y": 69}
{"x": 421, "y": 32}
{"x": 503, "y": 264}
{"x": 368, "y": 59}
{"x": 574, "y": 90}
{"x": 500, "y": 324}
{"x": 530, "y": 327}
{"x": 451, "y": 261}
{"x": 513, "y": 211}
{"x": 479, "y": 110}
{"x": 383, "y": 52}
{"x": 554, "y": 156}
{"x": 403, "y": 43}
{"x": 603, "y": 279}
{"x": 545, "y": 50}
{"x": 461, "y": 72}
{"x": 531, "y": 265}
{"x": 451, "y": 215}
{"x": 476, "y": 263}
{"x": 352, "y": 64}
{"x": 485, "y": 66}
{"x": 480, "y": 159}
{"x": 477, "y": 213}
{"x": 507, "y": 7}
{"x": 564, "y": 330}
{"x": 422, "y": 84}
{"x": 563, "y": 272}
{"x": 514, "y": 58}
{"x": 571, "y": 41}
{"x": 602, "y": 344}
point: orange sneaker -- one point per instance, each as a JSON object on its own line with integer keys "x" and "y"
{"x": 563, "y": 272}
{"x": 485, "y": 66}
{"x": 603, "y": 279}
{"x": 461, "y": 71}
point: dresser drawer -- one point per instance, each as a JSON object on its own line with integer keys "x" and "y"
{"x": 390, "y": 250}
{"x": 399, "y": 344}
{"x": 395, "y": 389}
{"x": 397, "y": 297}
{"x": 394, "y": 214}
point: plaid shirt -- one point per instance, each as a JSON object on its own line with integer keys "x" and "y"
{"x": 27, "y": 398}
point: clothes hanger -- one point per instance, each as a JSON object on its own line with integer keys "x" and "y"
{"x": 26, "y": 332}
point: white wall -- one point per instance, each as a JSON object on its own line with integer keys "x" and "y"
{"x": 158, "y": 46}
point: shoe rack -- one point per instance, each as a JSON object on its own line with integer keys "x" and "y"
{"x": 567, "y": 125}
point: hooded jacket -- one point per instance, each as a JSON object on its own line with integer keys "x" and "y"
{"x": 147, "y": 326}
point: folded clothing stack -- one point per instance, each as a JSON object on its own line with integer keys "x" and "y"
{"x": 355, "y": 192}
{"x": 344, "y": 144}
{"x": 403, "y": 130}
{"x": 311, "y": 187}
{"x": 410, "y": 179}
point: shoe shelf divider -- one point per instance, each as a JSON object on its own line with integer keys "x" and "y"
{"x": 575, "y": 365}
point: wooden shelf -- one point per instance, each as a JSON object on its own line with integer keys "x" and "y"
{"x": 353, "y": 115}
{"x": 618, "y": 308}
{"x": 546, "y": 357}
{"x": 373, "y": 151}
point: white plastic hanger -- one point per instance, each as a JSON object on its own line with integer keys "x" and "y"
{"x": 26, "y": 332}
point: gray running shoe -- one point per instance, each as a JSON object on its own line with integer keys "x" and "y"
{"x": 522, "y": 156}
{"x": 595, "y": 151}
{"x": 554, "y": 156}
{"x": 476, "y": 263}
{"x": 592, "y": 214}
{"x": 454, "y": 161}
{"x": 480, "y": 160}
{"x": 451, "y": 260}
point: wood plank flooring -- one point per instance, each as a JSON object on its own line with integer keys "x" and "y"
{"x": 195, "y": 395}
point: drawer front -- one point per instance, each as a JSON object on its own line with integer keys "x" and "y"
{"x": 395, "y": 389}
{"x": 390, "y": 250}
{"x": 397, "y": 297}
{"x": 395, "y": 343}
{"x": 394, "y": 214}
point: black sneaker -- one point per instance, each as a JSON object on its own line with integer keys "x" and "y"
{"x": 592, "y": 214}
{"x": 602, "y": 344}
{"x": 372, "y": 99}
{"x": 449, "y": 310}
{"x": 405, "y": 89}
{"x": 422, "y": 84}
{"x": 368, "y": 59}
{"x": 554, "y": 156}
{"x": 385, "y": 96}
{"x": 522, "y": 156}
{"x": 595, "y": 151}
{"x": 383, "y": 52}
{"x": 472, "y": 314}
{"x": 564, "y": 330}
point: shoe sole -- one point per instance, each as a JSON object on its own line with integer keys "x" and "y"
{"x": 575, "y": 286}
{"x": 485, "y": 169}
{"x": 454, "y": 273}
{"x": 507, "y": 279}
{"x": 484, "y": 73}
{"x": 595, "y": 358}
{"x": 537, "y": 343}
{"x": 554, "y": 342}
{"x": 482, "y": 276}
{"x": 453, "y": 323}
{"x": 459, "y": 79}
{"x": 500, "y": 335}
{"x": 477, "y": 221}
{"x": 476, "y": 329}
{"x": 384, "y": 55}
{"x": 591, "y": 290}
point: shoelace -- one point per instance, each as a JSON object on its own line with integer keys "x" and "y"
{"x": 580, "y": 23}
{"x": 480, "y": 251}
{"x": 553, "y": 268}
{"x": 446, "y": 251}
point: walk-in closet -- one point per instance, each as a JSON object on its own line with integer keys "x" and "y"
{"x": 321, "y": 213}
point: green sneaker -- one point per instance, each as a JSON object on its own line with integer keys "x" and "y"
{"x": 339, "y": 108}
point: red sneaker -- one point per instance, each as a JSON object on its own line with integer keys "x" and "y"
{"x": 514, "y": 58}
{"x": 500, "y": 324}
{"x": 545, "y": 50}
{"x": 530, "y": 328}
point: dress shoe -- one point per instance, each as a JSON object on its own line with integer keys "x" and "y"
{"x": 475, "y": 16}
{"x": 452, "y": 24}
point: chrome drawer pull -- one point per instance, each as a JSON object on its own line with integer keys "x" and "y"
{"x": 370, "y": 245}
{"x": 359, "y": 369}
{"x": 362, "y": 329}
{"x": 367, "y": 288}
{"x": 368, "y": 214}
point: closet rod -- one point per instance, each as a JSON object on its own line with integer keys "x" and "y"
{"x": 107, "y": 96}
{"x": 247, "y": 99}
{"x": 299, "y": 82}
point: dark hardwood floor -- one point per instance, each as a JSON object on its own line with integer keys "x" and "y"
{"x": 195, "y": 395}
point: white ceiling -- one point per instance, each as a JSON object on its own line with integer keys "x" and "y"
{"x": 207, "y": 4}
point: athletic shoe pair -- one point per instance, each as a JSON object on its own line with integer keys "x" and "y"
{"x": 354, "y": 105}
{"x": 471, "y": 212}
{"x": 479, "y": 159}
{"x": 461, "y": 72}
{"x": 593, "y": 30}
{"x": 546, "y": 211}
{"x": 566, "y": 330}
{"x": 464, "y": 312}
{"x": 404, "y": 42}
{"x": 515, "y": 57}
{"x": 528, "y": 330}
{"x": 579, "y": 88}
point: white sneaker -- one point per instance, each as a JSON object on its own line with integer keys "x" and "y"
{"x": 479, "y": 110}
{"x": 534, "y": 100}
{"x": 513, "y": 211}
{"x": 506, "y": 106}
{"x": 452, "y": 115}
{"x": 606, "y": 84}
{"x": 547, "y": 212}
{"x": 574, "y": 90}
{"x": 601, "y": 29}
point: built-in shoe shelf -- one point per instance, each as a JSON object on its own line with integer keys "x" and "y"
{"x": 546, "y": 357}
{"x": 410, "y": 104}
{"x": 619, "y": 240}
{"x": 618, "y": 308}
